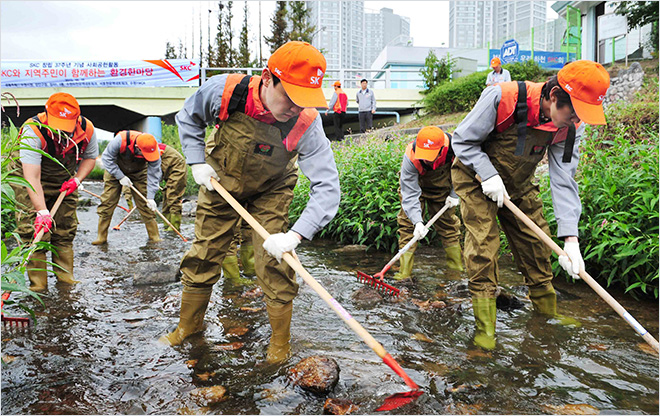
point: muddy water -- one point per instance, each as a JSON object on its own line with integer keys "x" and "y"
{"x": 94, "y": 349}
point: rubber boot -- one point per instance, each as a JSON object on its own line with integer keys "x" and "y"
{"x": 152, "y": 230}
{"x": 191, "y": 319}
{"x": 104, "y": 224}
{"x": 232, "y": 273}
{"x": 405, "y": 267}
{"x": 247, "y": 259}
{"x": 64, "y": 259}
{"x": 454, "y": 258}
{"x": 175, "y": 220}
{"x": 279, "y": 315}
{"x": 38, "y": 278}
{"x": 485, "y": 314}
{"x": 545, "y": 303}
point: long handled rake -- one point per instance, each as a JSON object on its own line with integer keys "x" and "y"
{"x": 99, "y": 197}
{"x": 118, "y": 226}
{"x": 392, "y": 402}
{"x": 585, "y": 276}
{"x": 23, "y": 321}
{"x": 160, "y": 214}
{"x": 377, "y": 279}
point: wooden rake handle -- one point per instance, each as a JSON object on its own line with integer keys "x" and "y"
{"x": 585, "y": 276}
{"x": 159, "y": 213}
{"x": 116, "y": 227}
{"x": 99, "y": 197}
{"x": 320, "y": 290}
{"x": 52, "y": 211}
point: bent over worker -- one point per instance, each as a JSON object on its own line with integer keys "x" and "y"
{"x": 131, "y": 158}
{"x": 425, "y": 180}
{"x": 262, "y": 122}
{"x": 175, "y": 174}
{"x": 502, "y": 140}
{"x": 69, "y": 138}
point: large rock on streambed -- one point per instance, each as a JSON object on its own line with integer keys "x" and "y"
{"x": 151, "y": 273}
{"x": 317, "y": 374}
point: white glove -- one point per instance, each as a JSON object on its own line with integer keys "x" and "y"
{"x": 451, "y": 201}
{"x": 420, "y": 231}
{"x": 80, "y": 185}
{"x": 573, "y": 261}
{"x": 280, "y": 243}
{"x": 126, "y": 181}
{"x": 152, "y": 204}
{"x": 494, "y": 189}
{"x": 203, "y": 172}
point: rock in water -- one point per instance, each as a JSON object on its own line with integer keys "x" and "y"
{"x": 155, "y": 273}
{"x": 366, "y": 297}
{"x": 338, "y": 407}
{"x": 208, "y": 395}
{"x": 317, "y": 374}
{"x": 508, "y": 302}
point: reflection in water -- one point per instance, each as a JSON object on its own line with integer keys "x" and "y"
{"x": 94, "y": 347}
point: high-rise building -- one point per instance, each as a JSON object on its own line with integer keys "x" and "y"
{"x": 384, "y": 28}
{"x": 473, "y": 24}
{"x": 340, "y": 32}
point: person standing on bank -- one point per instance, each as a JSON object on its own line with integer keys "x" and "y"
{"x": 425, "y": 179}
{"x": 366, "y": 101}
{"x": 132, "y": 158}
{"x": 502, "y": 140}
{"x": 262, "y": 124}
{"x": 70, "y": 139}
{"x": 338, "y": 104}
{"x": 498, "y": 74}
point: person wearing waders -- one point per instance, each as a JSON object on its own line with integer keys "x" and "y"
{"x": 502, "y": 140}
{"x": 175, "y": 174}
{"x": 262, "y": 124}
{"x": 69, "y": 138}
{"x": 241, "y": 247}
{"x": 425, "y": 180}
{"x": 132, "y": 158}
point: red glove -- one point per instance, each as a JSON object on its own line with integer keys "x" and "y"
{"x": 43, "y": 221}
{"x": 70, "y": 186}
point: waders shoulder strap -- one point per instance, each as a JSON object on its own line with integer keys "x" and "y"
{"x": 520, "y": 117}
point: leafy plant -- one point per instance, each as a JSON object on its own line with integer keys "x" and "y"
{"x": 437, "y": 71}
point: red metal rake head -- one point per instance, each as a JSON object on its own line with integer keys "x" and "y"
{"x": 11, "y": 321}
{"x": 379, "y": 285}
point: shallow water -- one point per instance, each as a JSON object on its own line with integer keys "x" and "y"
{"x": 94, "y": 350}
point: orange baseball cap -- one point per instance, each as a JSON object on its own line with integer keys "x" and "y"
{"x": 148, "y": 146}
{"x": 430, "y": 140}
{"x": 63, "y": 111}
{"x": 300, "y": 67}
{"x": 495, "y": 62}
{"x": 337, "y": 84}
{"x": 587, "y": 83}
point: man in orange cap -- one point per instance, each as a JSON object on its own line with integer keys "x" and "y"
{"x": 263, "y": 125}
{"x": 69, "y": 139}
{"x": 498, "y": 74}
{"x": 425, "y": 179}
{"x": 338, "y": 103}
{"x": 502, "y": 140}
{"x": 132, "y": 158}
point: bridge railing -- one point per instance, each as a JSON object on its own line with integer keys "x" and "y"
{"x": 349, "y": 78}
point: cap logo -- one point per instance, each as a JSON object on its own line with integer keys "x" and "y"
{"x": 601, "y": 97}
{"x": 277, "y": 71}
{"x": 65, "y": 113}
{"x": 568, "y": 87}
{"x": 319, "y": 72}
{"x": 315, "y": 80}
{"x": 428, "y": 144}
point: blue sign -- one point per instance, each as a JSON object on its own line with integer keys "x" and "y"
{"x": 509, "y": 51}
{"x": 548, "y": 60}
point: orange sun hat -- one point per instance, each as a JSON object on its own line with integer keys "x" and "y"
{"x": 63, "y": 111}
{"x": 587, "y": 83}
{"x": 300, "y": 67}
{"x": 148, "y": 146}
{"x": 430, "y": 140}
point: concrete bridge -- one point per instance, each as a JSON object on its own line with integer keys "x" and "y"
{"x": 115, "y": 109}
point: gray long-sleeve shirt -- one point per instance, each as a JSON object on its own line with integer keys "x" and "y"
{"x": 411, "y": 191}
{"x": 315, "y": 159}
{"x": 109, "y": 159}
{"x": 31, "y": 140}
{"x": 474, "y": 130}
{"x": 366, "y": 100}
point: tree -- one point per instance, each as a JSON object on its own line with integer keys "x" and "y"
{"x": 243, "y": 58}
{"x": 221, "y": 55}
{"x": 300, "y": 27}
{"x": 278, "y": 26}
{"x": 641, "y": 13}
{"x": 183, "y": 51}
{"x": 436, "y": 71}
{"x": 231, "y": 53}
{"x": 170, "y": 52}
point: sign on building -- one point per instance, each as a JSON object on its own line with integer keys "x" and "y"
{"x": 509, "y": 51}
{"x": 548, "y": 60}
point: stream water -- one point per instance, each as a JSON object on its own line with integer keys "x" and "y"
{"x": 94, "y": 347}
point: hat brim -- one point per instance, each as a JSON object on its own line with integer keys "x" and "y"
{"x": 151, "y": 156}
{"x": 305, "y": 96}
{"x": 63, "y": 124}
{"x": 426, "y": 154}
{"x": 589, "y": 113}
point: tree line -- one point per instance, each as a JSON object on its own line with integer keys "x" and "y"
{"x": 290, "y": 21}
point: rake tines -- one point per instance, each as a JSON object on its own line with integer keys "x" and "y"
{"x": 379, "y": 285}
{"x": 11, "y": 321}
